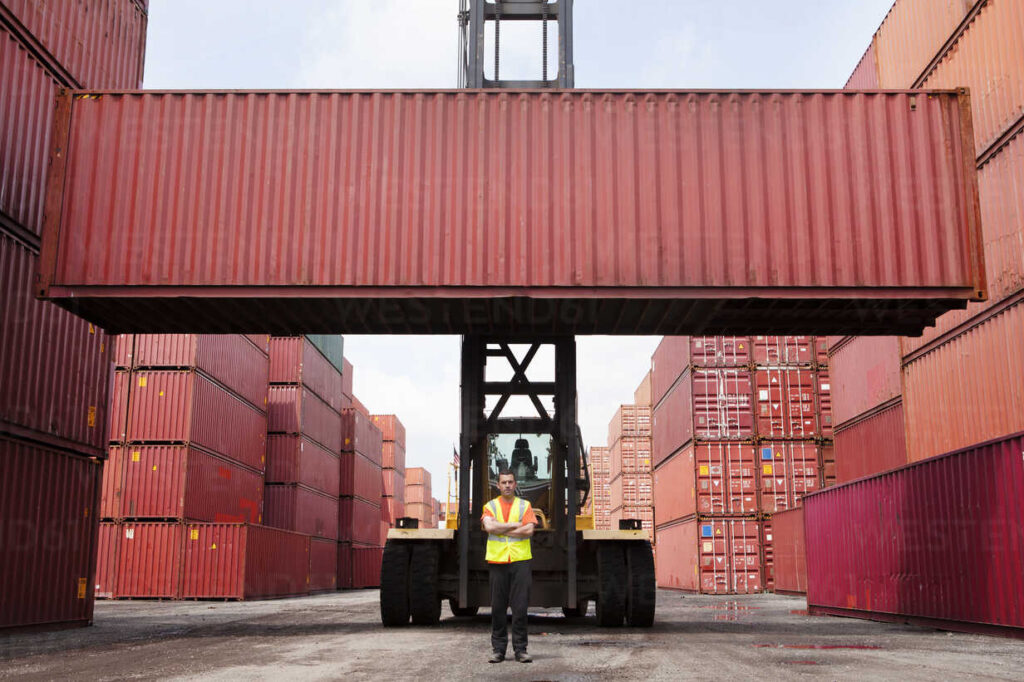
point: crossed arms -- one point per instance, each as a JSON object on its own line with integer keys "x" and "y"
{"x": 512, "y": 530}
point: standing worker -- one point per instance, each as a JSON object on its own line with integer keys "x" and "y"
{"x": 509, "y": 522}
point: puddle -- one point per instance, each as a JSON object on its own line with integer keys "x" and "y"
{"x": 729, "y": 606}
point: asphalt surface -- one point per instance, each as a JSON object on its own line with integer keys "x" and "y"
{"x": 339, "y": 635}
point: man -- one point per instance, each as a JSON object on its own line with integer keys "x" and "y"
{"x": 509, "y": 522}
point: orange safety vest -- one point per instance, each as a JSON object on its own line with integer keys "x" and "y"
{"x": 502, "y": 549}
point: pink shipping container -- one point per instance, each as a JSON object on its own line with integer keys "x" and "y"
{"x": 113, "y": 483}
{"x": 48, "y": 512}
{"x": 54, "y": 367}
{"x": 825, "y": 419}
{"x": 631, "y": 455}
{"x": 297, "y": 459}
{"x": 120, "y": 389}
{"x": 149, "y": 559}
{"x": 865, "y": 372}
{"x": 392, "y": 484}
{"x": 640, "y": 217}
{"x": 417, "y": 494}
{"x": 785, "y": 403}
{"x": 359, "y": 565}
{"x": 359, "y": 520}
{"x": 391, "y": 428}
{"x": 939, "y": 543}
{"x": 236, "y": 561}
{"x": 779, "y": 351}
{"x": 296, "y": 410}
{"x": 865, "y": 75}
{"x": 911, "y": 36}
{"x": 871, "y": 444}
{"x": 261, "y": 341}
{"x": 417, "y": 476}
{"x": 186, "y": 407}
{"x": 717, "y": 555}
{"x": 106, "y": 560}
{"x": 99, "y": 44}
{"x": 669, "y": 361}
{"x": 632, "y": 490}
{"x": 295, "y": 507}
{"x": 629, "y": 420}
{"x": 420, "y": 511}
{"x": 185, "y": 483}
{"x": 228, "y": 358}
{"x": 295, "y": 360}
{"x": 346, "y": 378}
{"x": 707, "y": 478}
{"x": 968, "y": 389}
{"x": 788, "y": 470}
{"x": 360, "y": 434}
{"x": 786, "y": 538}
{"x": 124, "y": 350}
{"x": 393, "y": 456}
{"x": 323, "y": 565}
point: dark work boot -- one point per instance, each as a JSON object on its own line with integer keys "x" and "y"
{"x": 496, "y": 657}
{"x": 524, "y": 657}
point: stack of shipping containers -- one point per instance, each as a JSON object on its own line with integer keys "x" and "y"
{"x": 393, "y": 474}
{"x": 359, "y": 552}
{"x": 600, "y": 487}
{"x": 54, "y": 367}
{"x": 419, "y": 500}
{"x": 630, "y": 487}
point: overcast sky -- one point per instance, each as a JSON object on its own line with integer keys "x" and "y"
{"x": 341, "y": 44}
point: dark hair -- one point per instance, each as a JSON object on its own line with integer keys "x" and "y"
{"x": 506, "y": 472}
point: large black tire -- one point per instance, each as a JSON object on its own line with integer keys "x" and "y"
{"x": 462, "y": 612}
{"x": 578, "y": 612}
{"x": 611, "y": 583}
{"x": 641, "y": 588}
{"x": 394, "y": 584}
{"x": 424, "y": 600}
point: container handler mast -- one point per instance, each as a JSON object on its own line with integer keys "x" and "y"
{"x": 573, "y": 564}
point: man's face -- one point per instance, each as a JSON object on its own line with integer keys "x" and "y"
{"x": 507, "y": 484}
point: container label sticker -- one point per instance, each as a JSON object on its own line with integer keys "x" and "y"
{"x": 91, "y": 419}
{"x": 704, "y": 470}
{"x": 213, "y": 546}
{"x": 142, "y": 382}
{"x": 154, "y": 467}
{"x": 705, "y": 531}
{"x": 766, "y": 453}
{"x": 767, "y": 469}
{"x": 135, "y": 455}
{"x": 718, "y": 531}
{"x": 161, "y": 394}
{"x": 92, "y": 329}
{"x": 707, "y": 547}
{"x": 81, "y": 584}
{"x": 825, "y": 387}
{"x": 762, "y": 394}
{"x": 129, "y": 533}
{"x": 193, "y": 534}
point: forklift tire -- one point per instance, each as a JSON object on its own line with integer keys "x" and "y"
{"x": 424, "y": 600}
{"x": 579, "y": 612}
{"x": 641, "y": 589}
{"x": 394, "y": 584}
{"x": 460, "y": 612}
{"x": 611, "y": 583}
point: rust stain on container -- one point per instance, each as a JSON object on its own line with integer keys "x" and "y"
{"x": 872, "y": 443}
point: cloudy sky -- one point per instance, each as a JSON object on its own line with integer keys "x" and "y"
{"x": 341, "y": 44}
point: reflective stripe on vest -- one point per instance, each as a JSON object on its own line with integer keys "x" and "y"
{"x": 502, "y": 549}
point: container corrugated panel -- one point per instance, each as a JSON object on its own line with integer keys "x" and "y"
{"x": 911, "y": 35}
{"x": 149, "y": 560}
{"x": 186, "y": 407}
{"x": 631, "y": 455}
{"x": 304, "y": 510}
{"x": 391, "y": 428}
{"x": 865, "y": 373}
{"x": 48, "y": 519}
{"x": 332, "y": 346}
{"x": 359, "y": 520}
{"x": 417, "y": 476}
{"x": 824, "y": 397}
{"x": 54, "y": 367}
{"x": 392, "y": 483}
{"x": 672, "y": 423}
{"x": 630, "y": 420}
{"x": 113, "y": 484}
{"x": 297, "y": 459}
{"x": 785, "y": 403}
{"x": 787, "y": 471}
{"x": 120, "y": 389}
{"x": 235, "y": 561}
{"x": 789, "y": 551}
{"x": 183, "y": 482}
{"x": 710, "y": 478}
{"x": 297, "y": 410}
{"x": 720, "y": 351}
{"x": 102, "y": 43}
{"x": 865, "y": 74}
{"x": 391, "y": 510}
{"x": 900, "y": 177}
{"x": 417, "y": 494}
{"x": 871, "y": 444}
{"x": 296, "y": 360}
{"x": 969, "y": 389}
{"x": 228, "y": 358}
{"x": 27, "y": 92}
{"x": 366, "y": 561}
{"x": 670, "y": 359}
{"x": 828, "y": 464}
{"x": 939, "y": 542}
{"x": 261, "y": 341}
{"x": 821, "y": 351}
{"x": 106, "y": 560}
{"x": 988, "y": 59}
{"x": 393, "y": 456}
{"x": 323, "y": 565}
{"x": 346, "y": 378}
{"x": 642, "y": 394}
{"x": 360, "y": 434}
{"x": 633, "y": 490}
{"x": 780, "y": 351}
{"x": 124, "y": 350}
{"x": 717, "y": 555}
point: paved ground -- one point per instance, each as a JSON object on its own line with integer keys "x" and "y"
{"x": 339, "y": 636}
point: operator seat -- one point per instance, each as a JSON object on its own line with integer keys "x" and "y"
{"x": 522, "y": 460}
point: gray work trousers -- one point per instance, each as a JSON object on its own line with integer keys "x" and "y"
{"x": 510, "y": 586}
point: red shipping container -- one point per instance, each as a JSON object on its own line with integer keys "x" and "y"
{"x": 228, "y": 358}
{"x": 364, "y": 564}
{"x": 391, "y": 428}
{"x": 645, "y": 514}
{"x": 871, "y": 444}
{"x": 417, "y": 494}
{"x": 149, "y": 559}
{"x": 420, "y": 511}
{"x": 781, "y": 351}
{"x": 185, "y": 483}
{"x": 631, "y": 455}
{"x": 54, "y": 367}
{"x": 865, "y": 372}
{"x": 120, "y": 390}
{"x": 393, "y": 456}
{"x": 786, "y": 539}
{"x": 261, "y": 341}
{"x": 106, "y": 560}
{"x": 323, "y": 565}
{"x": 391, "y": 510}
{"x": 295, "y": 507}
{"x": 361, "y": 478}
{"x": 48, "y": 516}
{"x": 865, "y": 75}
{"x": 717, "y": 555}
{"x": 709, "y": 478}
{"x": 675, "y": 353}
{"x": 113, "y": 484}
{"x": 417, "y": 476}
{"x": 938, "y": 543}
{"x": 296, "y": 360}
{"x": 911, "y": 35}
{"x": 720, "y": 351}
{"x": 788, "y": 471}
{"x": 669, "y": 361}
{"x": 821, "y": 351}
{"x": 296, "y": 410}
{"x": 360, "y": 434}
{"x": 297, "y": 459}
{"x": 633, "y": 490}
{"x": 359, "y": 520}
{"x": 785, "y": 403}
{"x": 241, "y": 561}
{"x": 825, "y": 425}
{"x": 100, "y": 44}
{"x": 828, "y": 464}
{"x": 186, "y": 407}
{"x": 124, "y": 350}
{"x": 629, "y": 420}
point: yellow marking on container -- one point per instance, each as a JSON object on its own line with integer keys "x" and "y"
{"x": 154, "y": 467}
{"x": 92, "y": 329}
{"x": 193, "y": 534}
{"x": 81, "y": 588}
{"x": 213, "y": 546}
{"x": 161, "y": 394}
{"x": 767, "y": 469}
{"x": 91, "y": 419}
{"x": 704, "y": 470}
{"x": 142, "y": 382}
{"x": 135, "y": 456}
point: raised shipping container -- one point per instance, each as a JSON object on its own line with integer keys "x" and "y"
{"x": 359, "y": 520}
{"x": 294, "y": 507}
{"x": 297, "y": 360}
{"x": 785, "y": 403}
{"x": 296, "y": 459}
{"x": 361, "y": 435}
{"x": 865, "y": 372}
{"x": 54, "y": 368}
{"x": 937, "y": 543}
{"x": 297, "y": 410}
{"x": 149, "y": 558}
{"x": 323, "y": 565}
{"x": 788, "y": 551}
{"x": 872, "y": 443}
{"x": 707, "y": 478}
{"x": 186, "y": 407}
{"x": 783, "y": 351}
{"x": 229, "y": 358}
{"x": 186, "y": 483}
{"x": 788, "y": 470}
{"x": 640, "y": 240}
{"x": 241, "y": 561}
{"x": 48, "y": 518}
{"x": 718, "y": 555}
{"x": 911, "y": 36}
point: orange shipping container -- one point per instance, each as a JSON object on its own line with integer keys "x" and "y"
{"x": 631, "y": 455}
{"x": 642, "y": 394}
{"x": 417, "y": 494}
{"x": 393, "y": 456}
{"x": 629, "y": 420}
{"x": 716, "y": 555}
{"x": 632, "y": 490}
{"x": 709, "y": 478}
{"x": 113, "y": 483}
{"x": 106, "y": 560}
{"x": 865, "y": 372}
{"x": 391, "y": 427}
{"x": 865, "y": 75}
{"x": 417, "y": 476}
{"x": 644, "y": 514}
{"x": 911, "y": 35}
